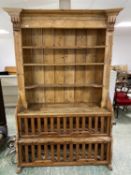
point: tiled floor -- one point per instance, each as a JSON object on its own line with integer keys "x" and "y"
{"x": 121, "y": 154}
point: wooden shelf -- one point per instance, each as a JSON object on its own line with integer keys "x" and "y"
{"x": 63, "y": 86}
{"x": 76, "y": 64}
{"x": 58, "y": 140}
{"x": 64, "y": 109}
{"x": 75, "y": 47}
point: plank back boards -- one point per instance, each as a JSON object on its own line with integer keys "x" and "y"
{"x": 60, "y": 68}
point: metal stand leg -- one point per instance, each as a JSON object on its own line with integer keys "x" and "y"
{"x": 117, "y": 111}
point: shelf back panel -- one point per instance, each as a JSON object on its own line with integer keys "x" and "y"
{"x": 42, "y": 45}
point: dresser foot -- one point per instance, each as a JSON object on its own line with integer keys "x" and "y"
{"x": 18, "y": 170}
{"x": 109, "y": 167}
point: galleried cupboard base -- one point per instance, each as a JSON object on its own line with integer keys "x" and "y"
{"x": 64, "y": 115}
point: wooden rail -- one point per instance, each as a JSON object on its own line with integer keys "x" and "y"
{"x": 36, "y": 126}
{"x": 69, "y": 153}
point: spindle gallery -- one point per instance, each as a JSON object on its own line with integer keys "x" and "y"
{"x": 64, "y": 115}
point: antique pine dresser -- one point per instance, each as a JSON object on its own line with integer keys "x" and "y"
{"x": 64, "y": 115}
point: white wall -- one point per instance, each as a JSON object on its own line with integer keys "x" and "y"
{"x": 122, "y": 48}
{"x": 7, "y": 56}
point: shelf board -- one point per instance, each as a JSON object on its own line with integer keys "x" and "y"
{"x": 57, "y": 140}
{"x": 63, "y": 86}
{"x": 63, "y": 109}
{"x": 75, "y": 47}
{"x": 75, "y": 64}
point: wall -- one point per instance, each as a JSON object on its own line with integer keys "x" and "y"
{"x": 7, "y": 56}
{"x": 122, "y": 47}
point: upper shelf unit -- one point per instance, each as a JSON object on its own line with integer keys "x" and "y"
{"x": 62, "y": 54}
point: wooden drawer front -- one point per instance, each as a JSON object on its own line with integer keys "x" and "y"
{"x": 64, "y": 153}
{"x": 30, "y": 126}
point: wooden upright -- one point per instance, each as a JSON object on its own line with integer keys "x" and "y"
{"x": 64, "y": 115}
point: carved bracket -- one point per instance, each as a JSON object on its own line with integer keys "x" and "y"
{"x": 111, "y": 22}
{"x": 111, "y": 18}
{"x": 15, "y": 17}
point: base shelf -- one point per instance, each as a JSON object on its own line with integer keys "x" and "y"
{"x": 59, "y": 48}
{"x": 101, "y": 139}
{"x": 50, "y": 65}
{"x": 63, "y": 86}
{"x": 64, "y": 109}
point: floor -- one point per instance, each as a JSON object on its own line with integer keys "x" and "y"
{"x": 121, "y": 153}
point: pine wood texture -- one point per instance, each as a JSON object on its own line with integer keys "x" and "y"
{"x": 64, "y": 116}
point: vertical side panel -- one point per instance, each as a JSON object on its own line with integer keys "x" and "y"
{"x": 19, "y": 65}
{"x": 69, "y": 71}
{"x": 58, "y": 152}
{"x": 107, "y": 63}
{"x": 45, "y": 151}
{"x": 37, "y": 72}
{"x": 39, "y": 124}
{"x": 96, "y": 151}
{"x": 26, "y": 126}
{"x": 59, "y": 59}
{"x": 32, "y": 153}
{"x": 33, "y": 126}
{"x": 81, "y": 40}
{"x": 90, "y": 71}
{"x": 52, "y": 152}
{"x": 49, "y": 59}
{"x": 65, "y": 152}
{"x": 71, "y": 152}
{"x": 39, "y": 151}
{"x": 28, "y": 58}
{"x": 77, "y": 151}
{"x": 26, "y": 153}
{"x": 20, "y": 158}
